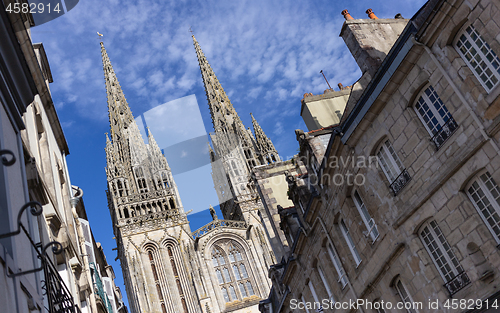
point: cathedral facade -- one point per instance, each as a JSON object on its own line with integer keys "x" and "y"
{"x": 221, "y": 267}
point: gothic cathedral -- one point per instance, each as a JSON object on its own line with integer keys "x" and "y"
{"x": 221, "y": 267}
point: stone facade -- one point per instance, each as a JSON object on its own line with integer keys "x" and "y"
{"x": 43, "y": 245}
{"x": 406, "y": 209}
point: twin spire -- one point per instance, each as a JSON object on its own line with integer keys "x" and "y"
{"x": 224, "y": 117}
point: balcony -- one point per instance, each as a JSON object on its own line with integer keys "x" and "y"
{"x": 444, "y": 133}
{"x": 457, "y": 283}
{"x": 402, "y": 180}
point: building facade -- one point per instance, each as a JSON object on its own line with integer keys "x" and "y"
{"x": 405, "y": 211}
{"x": 43, "y": 245}
{"x": 221, "y": 267}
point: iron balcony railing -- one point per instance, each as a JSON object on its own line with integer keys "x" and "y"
{"x": 402, "y": 180}
{"x": 444, "y": 132}
{"x": 457, "y": 283}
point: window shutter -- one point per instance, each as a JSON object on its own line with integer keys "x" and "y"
{"x": 87, "y": 235}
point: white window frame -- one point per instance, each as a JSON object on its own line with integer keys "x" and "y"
{"x": 304, "y": 303}
{"x": 337, "y": 264}
{"x": 435, "y": 236}
{"x": 466, "y": 34}
{"x": 493, "y": 206}
{"x": 315, "y": 297}
{"x": 441, "y": 119}
{"x": 389, "y": 161}
{"x": 401, "y": 288}
{"x": 371, "y": 226}
{"x": 350, "y": 243}
{"x": 327, "y": 286}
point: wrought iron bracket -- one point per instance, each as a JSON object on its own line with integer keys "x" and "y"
{"x": 36, "y": 210}
{"x": 57, "y": 248}
{"x": 6, "y": 161}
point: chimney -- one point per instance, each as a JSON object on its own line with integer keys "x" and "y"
{"x": 369, "y": 40}
{"x": 346, "y": 15}
{"x": 371, "y": 15}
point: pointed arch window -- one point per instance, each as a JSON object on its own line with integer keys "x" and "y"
{"x": 231, "y": 271}
{"x": 141, "y": 181}
{"x": 164, "y": 178}
{"x": 154, "y": 263}
{"x": 484, "y": 193}
{"x": 435, "y": 116}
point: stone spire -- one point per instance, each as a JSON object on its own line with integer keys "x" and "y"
{"x": 120, "y": 116}
{"x": 224, "y": 116}
{"x": 264, "y": 144}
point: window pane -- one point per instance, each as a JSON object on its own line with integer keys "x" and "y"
{"x": 225, "y": 295}
{"x": 249, "y": 288}
{"x": 243, "y": 291}
{"x": 243, "y": 271}
{"x": 219, "y": 276}
{"x": 232, "y": 293}
{"x": 236, "y": 272}
{"x": 227, "y": 278}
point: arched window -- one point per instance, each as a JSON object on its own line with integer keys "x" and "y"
{"x": 165, "y": 180}
{"x": 443, "y": 257}
{"x": 153, "y": 260}
{"x": 370, "y": 225}
{"x": 484, "y": 193}
{"x": 405, "y": 296}
{"x": 177, "y": 279}
{"x": 435, "y": 116}
{"x": 120, "y": 188}
{"x": 230, "y": 268}
{"x": 479, "y": 57}
{"x": 141, "y": 181}
{"x": 392, "y": 167}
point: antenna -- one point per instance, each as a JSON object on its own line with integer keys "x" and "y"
{"x": 325, "y": 79}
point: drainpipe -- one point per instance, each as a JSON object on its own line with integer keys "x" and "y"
{"x": 458, "y": 92}
{"x": 81, "y": 241}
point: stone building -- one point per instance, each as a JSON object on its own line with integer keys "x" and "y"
{"x": 42, "y": 244}
{"x": 405, "y": 215}
{"x": 221, "y": 267}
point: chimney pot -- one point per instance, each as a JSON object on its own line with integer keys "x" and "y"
{"x": 398, "y": 16}
{"x": 346, "y": 15}
{"x": 371, "y": 14}
{"x": 341, "y": 87}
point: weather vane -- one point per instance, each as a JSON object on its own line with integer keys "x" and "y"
{"x": 99, "y": 36}
{"x": 190, "y": 29}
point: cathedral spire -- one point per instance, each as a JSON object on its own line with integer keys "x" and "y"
{"x": 223, "y": 114}
{"x": 120, "y": 116}
{"x": 264, "y": 144}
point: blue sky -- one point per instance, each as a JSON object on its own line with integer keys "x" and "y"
{"x": 266, "y": 54}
